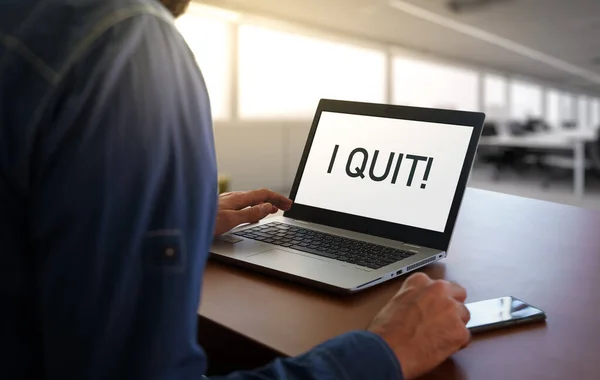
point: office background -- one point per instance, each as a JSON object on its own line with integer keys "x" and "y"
{"x": 267, "y": 63}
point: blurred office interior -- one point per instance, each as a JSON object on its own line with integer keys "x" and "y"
{"x": 533, "y": 66}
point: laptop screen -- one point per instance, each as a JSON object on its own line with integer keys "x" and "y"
{"x": 394, "y": 170}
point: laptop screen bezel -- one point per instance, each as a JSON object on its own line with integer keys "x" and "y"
{"x": 389, "y": 230}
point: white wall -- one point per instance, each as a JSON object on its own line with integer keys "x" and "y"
{"x": 260, "y": 154}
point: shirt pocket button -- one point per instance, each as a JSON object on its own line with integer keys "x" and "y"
{"x": 164, "y": 251}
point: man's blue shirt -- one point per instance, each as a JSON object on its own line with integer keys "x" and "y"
{"x": 108, "y": 190}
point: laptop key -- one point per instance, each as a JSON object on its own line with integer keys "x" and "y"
{"x": 356, "y": 252}
{"x": 314, "y": 251}
{"x": 369, "y": 265}
{"x": 382, "y": 263}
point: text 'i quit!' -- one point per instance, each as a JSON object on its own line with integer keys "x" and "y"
{"x": 363, "y": 154}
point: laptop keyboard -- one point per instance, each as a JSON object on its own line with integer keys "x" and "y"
{"x": 322, "y": 244}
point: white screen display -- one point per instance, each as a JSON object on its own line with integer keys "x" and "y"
{"x": 398, "y": 171}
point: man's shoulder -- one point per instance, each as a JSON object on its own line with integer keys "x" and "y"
{"x": 50, "y": 33}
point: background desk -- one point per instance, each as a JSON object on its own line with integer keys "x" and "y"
{"x": 545, "y": 253}
{"x": 573, "y": 140}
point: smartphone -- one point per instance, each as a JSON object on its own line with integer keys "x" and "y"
{"x": 501, "y": 312}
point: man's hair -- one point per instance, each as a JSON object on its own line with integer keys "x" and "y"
{"x": 177, "y": 7}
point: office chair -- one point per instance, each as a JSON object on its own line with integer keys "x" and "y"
{"x": 490, "y": 128}
{"x": 504, "y": 159}
{"x": 535, "y": 125}
{"x": 516, "y": 128}
{"x": 569, "y": 124}
{"x": 594, "y": 153}
{"x": 522, "y": 160}
{"x": 490, "y": 154}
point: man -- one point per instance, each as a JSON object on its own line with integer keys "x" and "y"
{"x": 108, "y": 208}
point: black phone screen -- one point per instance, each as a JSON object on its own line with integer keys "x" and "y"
{"x": 501, "y": 312}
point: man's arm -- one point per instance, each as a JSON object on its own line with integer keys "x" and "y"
{"x": 123, "y": 207}
{"x": 122, "y": 213}
{"x": 355, "y": 355}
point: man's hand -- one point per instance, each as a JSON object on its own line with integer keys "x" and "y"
{"x": 240, "y": 207}
{"x": 424, "y": 323}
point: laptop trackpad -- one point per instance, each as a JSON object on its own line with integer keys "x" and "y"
{"x": 302, "y": 266}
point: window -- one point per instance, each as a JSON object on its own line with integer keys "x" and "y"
{"x": 420, "y": 83}
{"x": 526, "y": 100}
{"x": 582, "y": 111}
{"x": 567, "y": 108}
{"x": 209, "y": 38}
{"x": 283, "y": 75}
{"x": 595, "y": 113}
{"x": 494, "y": 94}
{"x": 553, "y": 108}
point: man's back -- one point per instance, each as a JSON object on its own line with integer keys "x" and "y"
{"x": 108, "y": 204}
{"x": 107, "y": 176}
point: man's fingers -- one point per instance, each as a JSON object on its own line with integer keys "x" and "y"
{"x": 465, "y": 315}
{"x": 252, "y": 214}
{"x": 418, "y": 280}
{"x": 264, "y": 195}
{"x": 467, "y": 340}
{"x": 458, "y": 292}
{"x": 244, "y": 199}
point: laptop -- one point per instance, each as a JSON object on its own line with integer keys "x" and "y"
{"x": 376, "y": 196}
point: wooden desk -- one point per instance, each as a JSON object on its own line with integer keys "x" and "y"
{"x": 573, "y": 140}
{"x": 545, "y": 253}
